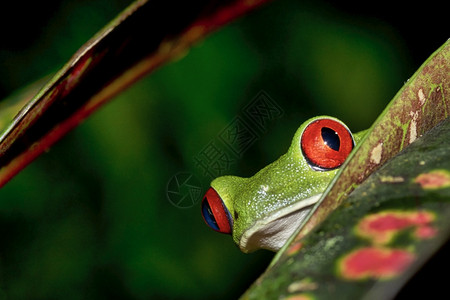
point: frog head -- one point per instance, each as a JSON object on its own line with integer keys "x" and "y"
{"x": 262, "y": 211}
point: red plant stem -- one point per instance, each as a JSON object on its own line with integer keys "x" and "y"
{"x": 145, "y": 36}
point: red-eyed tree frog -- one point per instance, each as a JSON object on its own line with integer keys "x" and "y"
{"x": 262, "y": 211}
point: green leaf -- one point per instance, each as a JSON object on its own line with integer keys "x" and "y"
{"x": 395, "y": 220}
{"x": 381, "y": 234}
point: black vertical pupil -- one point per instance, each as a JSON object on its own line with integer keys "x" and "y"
{"x": 331, "y": 138}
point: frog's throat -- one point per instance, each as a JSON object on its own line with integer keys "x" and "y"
{"x": 272, "y": 233}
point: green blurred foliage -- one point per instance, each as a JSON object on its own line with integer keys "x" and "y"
{"x": 90, "y": 219}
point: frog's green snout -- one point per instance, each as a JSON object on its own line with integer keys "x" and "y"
{"x": 215, "y": 213}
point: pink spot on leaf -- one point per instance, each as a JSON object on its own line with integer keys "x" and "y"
{"x": 434, "y": 180}
{"x": 425, "y": 232}
{"x": 375, "y": 262}
{"x": 294, "y": 248}
{"x": 382, "y": 227}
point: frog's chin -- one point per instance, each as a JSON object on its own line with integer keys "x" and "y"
{"x": 272, "y": 233}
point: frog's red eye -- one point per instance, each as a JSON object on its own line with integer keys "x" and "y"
{"x": 215, "y": 213}
{"x": 326, "y": 143}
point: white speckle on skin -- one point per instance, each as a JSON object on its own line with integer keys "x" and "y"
{"x": 375, "y": 155}
{"x": 421, "y": 97}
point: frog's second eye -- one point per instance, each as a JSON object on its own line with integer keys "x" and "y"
{"x": 326, "y": 143}
{"x": 215, "y": 213}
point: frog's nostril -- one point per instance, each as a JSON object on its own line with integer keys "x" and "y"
{"x": 215, "y": 213}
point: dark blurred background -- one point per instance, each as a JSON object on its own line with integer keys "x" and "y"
{"x": 91, "y": 219}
